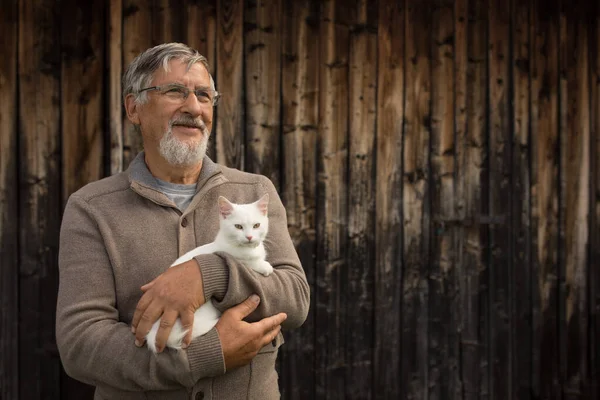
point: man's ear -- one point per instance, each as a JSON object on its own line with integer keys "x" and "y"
{"x": 132, "y": 108}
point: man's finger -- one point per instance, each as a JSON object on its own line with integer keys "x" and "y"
{"x": 271, "y": 335}
{"x": 187, "y": 321}
{"x": 150, "y": 316}
{"x": 268, "y": 324}
{"x": 246, "y": 307}
{"x": 166, "y": 324}
{"x": 140, "y": 309}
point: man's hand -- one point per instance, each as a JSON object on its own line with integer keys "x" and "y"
{"x": 241, "y": 340}
{"x": 177, "y": 292}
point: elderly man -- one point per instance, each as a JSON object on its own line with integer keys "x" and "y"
{"x": 120, "y": 234}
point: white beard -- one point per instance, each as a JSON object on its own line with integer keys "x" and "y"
{"x": 180, "y": 153}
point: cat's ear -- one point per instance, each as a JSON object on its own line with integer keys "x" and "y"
{"x": 263, "y": 204}
{"x": 225, "y": 207}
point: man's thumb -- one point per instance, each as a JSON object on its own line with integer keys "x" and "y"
{"x": 249, "y": 305}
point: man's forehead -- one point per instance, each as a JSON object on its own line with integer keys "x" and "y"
{"x": 180, "y": 70}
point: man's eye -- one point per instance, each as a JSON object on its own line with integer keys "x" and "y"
{"x": 175, "y": 92}
{"x": 238, "y": 226}
{"x": 203, "y": 95}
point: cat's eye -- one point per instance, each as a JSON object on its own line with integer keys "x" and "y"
{"x": 238, "y": 226}
{"x": 256, "y": 226}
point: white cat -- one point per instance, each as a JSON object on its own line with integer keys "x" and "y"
{"x": 243, "y": 227}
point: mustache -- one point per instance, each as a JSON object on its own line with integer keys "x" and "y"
{"x": 188, "y": 121}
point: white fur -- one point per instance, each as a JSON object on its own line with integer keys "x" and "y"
{"x": 234, "y": 241}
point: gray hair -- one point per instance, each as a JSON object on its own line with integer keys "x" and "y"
{"x": 140, "y": 72}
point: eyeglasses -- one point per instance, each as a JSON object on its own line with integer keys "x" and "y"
{"x": 178, "y": 93}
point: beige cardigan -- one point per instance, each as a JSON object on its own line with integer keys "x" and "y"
{"x": 120, "y": 233}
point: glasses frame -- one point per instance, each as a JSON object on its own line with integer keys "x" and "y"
{"x": 187, "y": 91}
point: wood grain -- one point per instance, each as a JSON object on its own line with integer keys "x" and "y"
{"x": 300, "y": 118}
{"x": 361, "y": 200}
{"x": 520, "y": 230}
{"x": 230, "y": 135}
{"x": 388, "y": 199}
{"x": 82, "y": 82}
{"x": 443, "y": 348}
{"x": 544, "y": 199}
{"x": 115, "y": 90}
{"x": 471, "y": 145}
{"x": 9, "y": 219}
{"x": 416, "y": 202}
{"x": 39, "y": 196}
{"x": 575, "y": 196}
{"x": 262, "y": 44}
{"x": 500, "y": 137}
{"x": 332, "y": 202}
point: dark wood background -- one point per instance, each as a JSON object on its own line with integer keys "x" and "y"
{"x": 439, "y": 161}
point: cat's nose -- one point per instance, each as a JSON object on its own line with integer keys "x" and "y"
{"x": 249, "y": 238}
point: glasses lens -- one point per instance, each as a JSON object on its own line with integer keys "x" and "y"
{"x": 175, "y": 92}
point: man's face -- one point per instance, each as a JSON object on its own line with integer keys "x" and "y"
{"x": 178, "y": 129}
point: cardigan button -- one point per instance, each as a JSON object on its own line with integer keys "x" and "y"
{"x": 184, "y": 222}
{"x": 199, "y": 395}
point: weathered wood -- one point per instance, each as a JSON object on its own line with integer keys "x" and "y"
{"x": 82, "y": 91}
{"x": 332, "y": 201}
{"x": 575, "y": 196}
{"x": 39, "y": 197}
{"x": 262, "y": 42}
{"x": 201, "y": 34}
{"x": 361, "y": 200}
{"x": 471, "y": 143}
{"x": 499, "y": 178}
{"x": 388, "y": 211}
{"x": 594, "y": 263}
{"x": 544, "y": 198}
{"x": 416, "y": 202}
{"x": 9, "y": 217}
{"x": 137, "y": 37}
{"x": 115, "y": 90}
{"x": 82, "y": 106}
{"x": 443, "y": 355}
{"x": 230, "y": 138}
{"x": 521, "y": 298}
{"x": 300, "y": 118}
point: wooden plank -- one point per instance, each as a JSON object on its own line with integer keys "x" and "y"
{"x": 137, "y": 37}
{"x": 201, "y": 35}
{"x": 115, "y": 90}
{"x": 262, "y": 44}
{"x": 471, "y": 144}
{"x": 575, "y": 195}
{"x": 9, "y": 220}
{"x": 82, "y": 107}
{"x": 361, "y": 200}
{"x": 82, "y": 101}
{"x": 500, "y": 274}
{"x": 300, "y": 118}
{"x": 544, "y": 198}
{"x": 332, "y": 212}
{"x": 388, "y": 210}
{"x": 521, "y": 327}
{"x": 416, "y": 202}
{"x": 39, "y": 196}
{"x": 230, "y": 117}
{"x": 594, "y": 270}
{"x": 444, "y": 317}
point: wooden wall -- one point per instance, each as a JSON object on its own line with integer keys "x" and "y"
{"x": 439, "y": 161}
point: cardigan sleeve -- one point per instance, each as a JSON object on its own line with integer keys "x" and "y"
{"x": 94, "y": 345}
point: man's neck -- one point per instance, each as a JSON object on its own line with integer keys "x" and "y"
{"x": 164, "y": 171}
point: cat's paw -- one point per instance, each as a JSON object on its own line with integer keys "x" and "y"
{"x": 265, "y": 268}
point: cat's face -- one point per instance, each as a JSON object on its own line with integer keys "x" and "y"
{"x": 244, "y": 224}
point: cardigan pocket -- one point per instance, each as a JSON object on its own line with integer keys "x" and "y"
{"x": 263, "y": 375}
